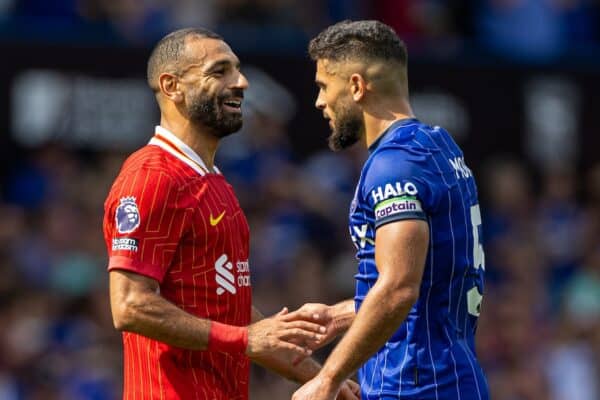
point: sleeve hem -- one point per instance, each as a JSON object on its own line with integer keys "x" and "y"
{"x": 138, "y": 267}
{"x": 401, "y": 217}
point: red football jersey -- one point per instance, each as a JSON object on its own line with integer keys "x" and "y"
{"x": 168, "y": 218}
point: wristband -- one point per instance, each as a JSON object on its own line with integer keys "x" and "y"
{"x": 227, "y": 338}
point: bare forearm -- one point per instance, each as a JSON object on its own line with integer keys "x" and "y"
{"x": 282, "y": 364}
{"x": 138, "y": 307}
{"x": 380, "y": 315}
{"x": 343, "y": 315}
{"x": 153, "y": 316}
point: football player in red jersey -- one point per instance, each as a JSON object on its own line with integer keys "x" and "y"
{"x": 178, "y": 243}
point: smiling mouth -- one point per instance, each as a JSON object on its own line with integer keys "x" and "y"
{"x": 234, "y": 105}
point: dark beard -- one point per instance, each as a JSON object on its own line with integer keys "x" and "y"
{"x": 207, "y": 110}
{"x": 347, "y": 129}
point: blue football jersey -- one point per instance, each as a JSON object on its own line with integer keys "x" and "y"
{"x": 415, "y": 171}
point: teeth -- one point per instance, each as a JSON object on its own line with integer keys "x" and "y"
{"x": 234, "y": 103}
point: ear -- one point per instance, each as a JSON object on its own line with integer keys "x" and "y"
{"x": 358, "y": 87}
{"x": 169, "y": 87}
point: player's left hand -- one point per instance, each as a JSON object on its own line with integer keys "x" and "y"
{"x": 350, "y": 390}
{"x": 319, "y": 388}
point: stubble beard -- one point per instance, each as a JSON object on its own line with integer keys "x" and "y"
{"x": 207, "y": 110}
{"x": 348, "y": 128}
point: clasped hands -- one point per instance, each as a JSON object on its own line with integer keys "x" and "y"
{"x": 299, "y": 333}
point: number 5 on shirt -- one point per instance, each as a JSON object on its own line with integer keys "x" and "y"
{"x": 474, "y": 298}
{"x": 478, "y": 255}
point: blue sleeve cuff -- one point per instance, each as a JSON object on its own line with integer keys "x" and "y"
{"x": 401, "y": 217}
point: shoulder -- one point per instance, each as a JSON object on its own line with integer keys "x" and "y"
{"x": 155, "y": 160}
{"x": 148, "y": 173}
{"x": 151, "y": 165}
{"x": 395, "y": 170}
{"x": 396, "y": 160}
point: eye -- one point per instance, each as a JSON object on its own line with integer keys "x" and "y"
{"x": 218, "y": 72}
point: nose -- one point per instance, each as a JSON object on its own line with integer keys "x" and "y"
{"x": 241, "y": 82}
{"x": 320, "y": 103}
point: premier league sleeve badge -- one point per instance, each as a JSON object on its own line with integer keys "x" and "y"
{"x": 127, "y": 217}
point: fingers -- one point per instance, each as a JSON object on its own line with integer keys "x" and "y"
{"x": 297, "y": 360}
{"x": 309, "y": 312}
{"x": 297, "y": 335}
{"x": 355, "y": 387}
{"x": 303, "y": 314}
{"x": 348, "y": 392}
{"x": 271, "y": 334}
{"x": 299, "y": 351}
{"x": 303, "y": 332}
{"x": 283, "y": 311}
{"x": 307, "y": 326}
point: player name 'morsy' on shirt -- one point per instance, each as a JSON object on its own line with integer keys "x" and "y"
{"x": 168, "y": 218}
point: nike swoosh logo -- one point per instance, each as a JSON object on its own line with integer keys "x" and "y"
{"x": 215, "y": 221}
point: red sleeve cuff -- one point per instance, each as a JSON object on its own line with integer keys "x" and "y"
{"x": 131, "y": 265}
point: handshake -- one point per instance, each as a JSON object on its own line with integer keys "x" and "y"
{"x": 291, "y": 337}
{"x": 297, "y": 333}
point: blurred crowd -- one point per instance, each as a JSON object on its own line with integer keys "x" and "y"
{"x": 539, "y": 335}
{"x": 529, "y": 30}
{"x": 539, "y": 331}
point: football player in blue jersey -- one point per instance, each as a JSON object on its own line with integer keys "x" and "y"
{"x": 416, "y": 224}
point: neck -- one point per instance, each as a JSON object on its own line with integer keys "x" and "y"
{"x": 384, "y": 113}
{"x": 197, "y": 137}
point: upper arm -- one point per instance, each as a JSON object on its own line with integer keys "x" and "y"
{"x": 144, "y": 221}
{"x": 400, "y": 252}
{"x": 398, "y": 185}
{"x": 401, "y": 192}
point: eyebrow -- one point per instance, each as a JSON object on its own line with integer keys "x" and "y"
{"x": 222, "y": 63}
{"x": 320, "y": 83}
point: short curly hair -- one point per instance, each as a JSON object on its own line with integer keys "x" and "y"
{"x": 361, "y": 40}
{"x": 168, "y": 53}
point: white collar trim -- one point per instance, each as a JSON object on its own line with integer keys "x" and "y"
{"x": 185, "y": 153}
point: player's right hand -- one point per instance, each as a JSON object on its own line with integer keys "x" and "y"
{"x": 321, "y": 314}
{"x": 283, "y": 333}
